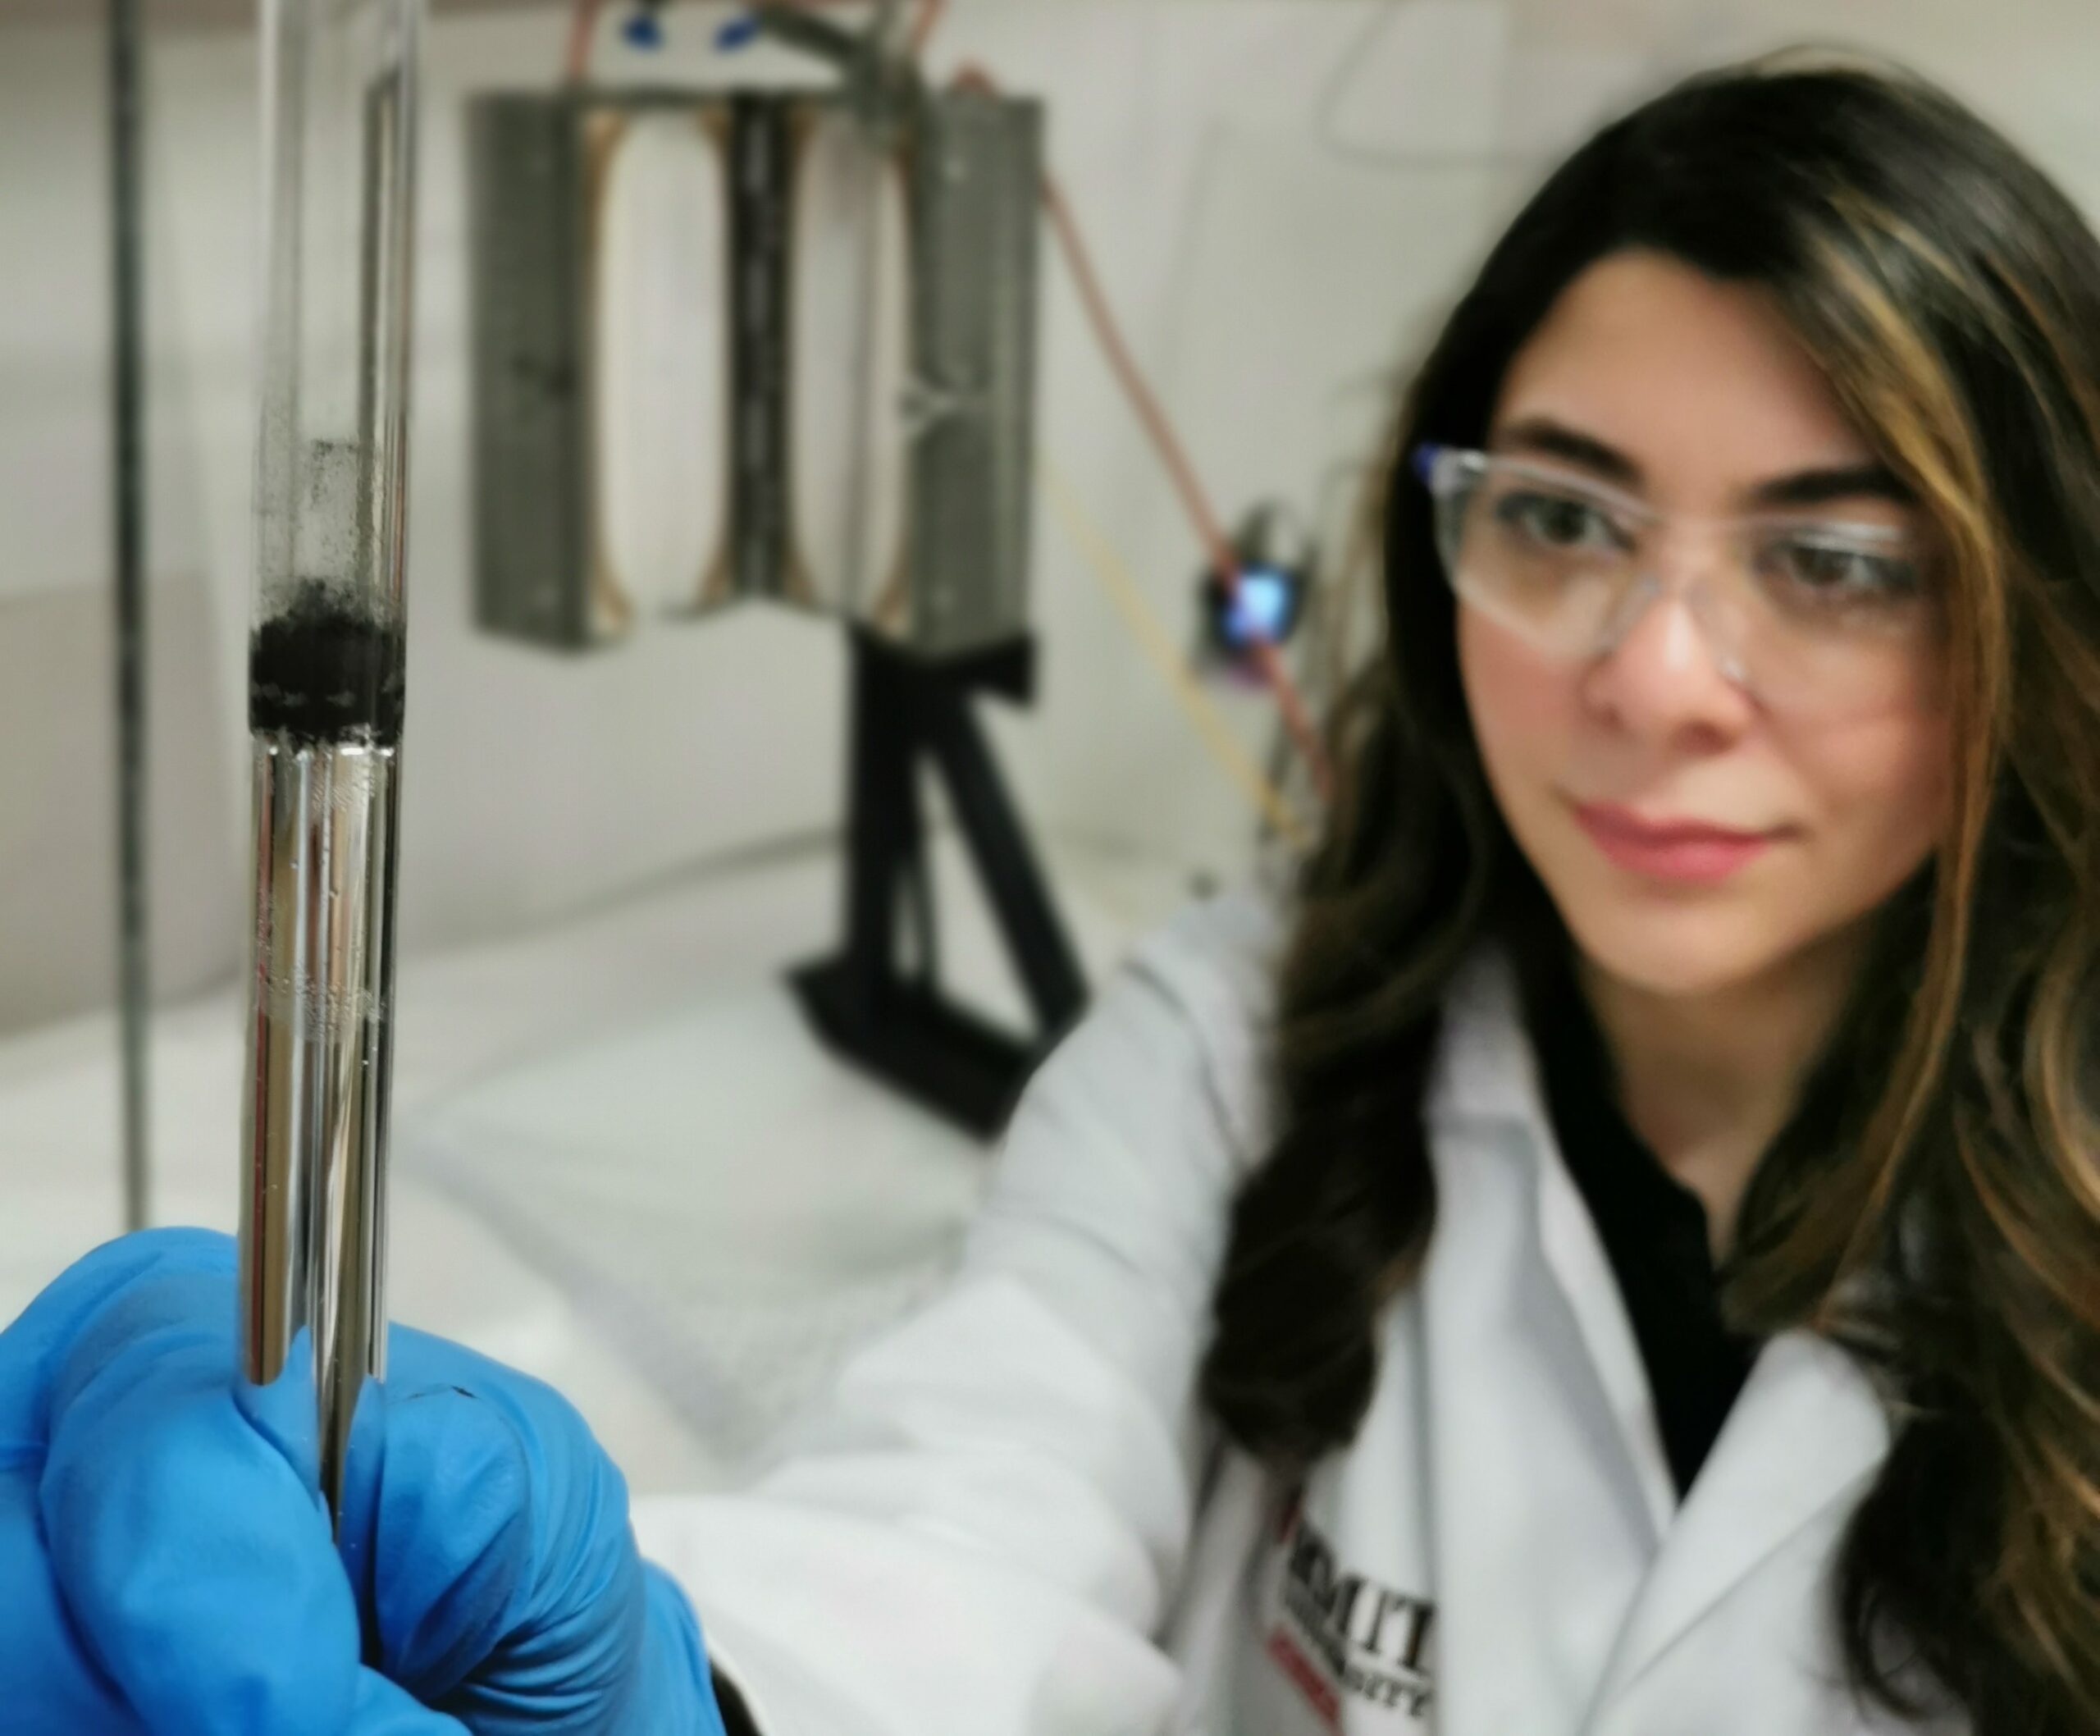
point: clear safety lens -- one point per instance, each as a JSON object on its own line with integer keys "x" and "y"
{"x": 1810, "y": 614}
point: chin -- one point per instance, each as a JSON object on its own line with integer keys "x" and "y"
{"x": 1680, "y": 948}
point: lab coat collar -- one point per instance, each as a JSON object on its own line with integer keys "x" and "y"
{"x": 1487, "y": 1076}
{"x": 1807, "y": 1432}
{"x": 1544, "y": 1517}
{"x": 1486, "y": 1070}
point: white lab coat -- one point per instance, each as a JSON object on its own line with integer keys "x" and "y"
{"x": 1010, "y": 1519}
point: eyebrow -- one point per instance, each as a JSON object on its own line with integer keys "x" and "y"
{"x": 1546, "y": 438}
{"x": 1543, "y": 437}
{"x": 1845, "y": 482}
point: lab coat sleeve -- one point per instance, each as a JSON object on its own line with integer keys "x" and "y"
{"x": 979, "y": 1531}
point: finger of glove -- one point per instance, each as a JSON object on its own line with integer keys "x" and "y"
{"x": 439, "y": 1541}
{"x": 52, "y": 1687}
{"x": 542, "y": 1621}
{"x": 32, "y": 1348}
{"x": 643, "y": 1672}
{"x": 385, "y": 1708}
{"x": 199, "y": 1565}
{"x": 678, "y": 1695}
{"x": 580, "y": 1667}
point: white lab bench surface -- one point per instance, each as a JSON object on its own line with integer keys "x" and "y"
{"x": 621, "y": 1159}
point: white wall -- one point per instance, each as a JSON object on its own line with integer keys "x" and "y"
{"x": 1282, "y": 193}
{"x": 57, "y": 802}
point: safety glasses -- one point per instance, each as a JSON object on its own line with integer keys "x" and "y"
{"x": 1809, "y": 614}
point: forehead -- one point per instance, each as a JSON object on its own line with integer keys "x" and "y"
{"x": 1698, "y": 380}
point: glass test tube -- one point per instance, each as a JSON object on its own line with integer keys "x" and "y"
{"x": 326, "y": 663}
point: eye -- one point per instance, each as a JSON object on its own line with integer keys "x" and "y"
{"x": 1836, "y": 571}
{"x": 1560, "y": 522}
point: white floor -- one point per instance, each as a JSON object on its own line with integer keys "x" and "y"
{"x": 620, "y": 1160}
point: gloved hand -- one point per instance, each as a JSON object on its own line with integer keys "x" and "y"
{"x": 163, "y": 1568}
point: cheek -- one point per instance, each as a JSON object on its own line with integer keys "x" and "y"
{"x": 1525, "y": 710}
{"x": 1884, "y": 791}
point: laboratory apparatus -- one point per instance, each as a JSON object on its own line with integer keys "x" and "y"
{"x": 326, "y": 690}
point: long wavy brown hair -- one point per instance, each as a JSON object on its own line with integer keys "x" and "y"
{"x": 1934, "y": 1206}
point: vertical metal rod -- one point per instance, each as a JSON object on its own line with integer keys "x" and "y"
{"x": 128, "y": 475}
{"x": 869, "y": 166}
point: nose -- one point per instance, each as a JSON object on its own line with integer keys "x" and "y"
{"x": 1665, "y": 679}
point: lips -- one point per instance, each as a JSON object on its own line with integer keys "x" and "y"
{"x": 1691, "y": 851}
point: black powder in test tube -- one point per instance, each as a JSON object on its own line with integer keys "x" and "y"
{"x": 322, "y": 671}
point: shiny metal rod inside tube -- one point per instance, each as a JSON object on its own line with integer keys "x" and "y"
{"x": 327, "y": 686}
{"x": 313, "y": 1283}
{"x": 325, "y": 709}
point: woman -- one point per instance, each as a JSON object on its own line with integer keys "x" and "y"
{"x": 1617, "y": 1254}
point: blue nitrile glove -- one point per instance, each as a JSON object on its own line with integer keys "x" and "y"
{"x": 494, "y": 1564}
{"x": 489, "y": 1556}
{"x": 162, "y": 1567}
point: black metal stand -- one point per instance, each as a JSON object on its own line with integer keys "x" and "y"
{"x": 901, "y": 1027}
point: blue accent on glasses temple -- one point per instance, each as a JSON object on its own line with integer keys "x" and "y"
{"x": 1425, "y": 458}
